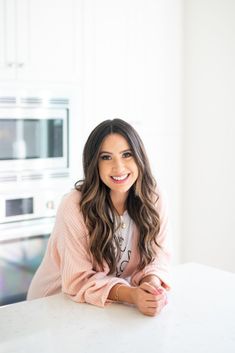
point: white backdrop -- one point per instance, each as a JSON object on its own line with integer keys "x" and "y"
{"x": 131, "y": 57}
{"x": 167, "y": 66}
{"x": 209, "y": 126}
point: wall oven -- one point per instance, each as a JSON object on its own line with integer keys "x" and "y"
{"x": 22, "y": 246}
{"x": 33, "y": 134}
{"x": 34, "y": 175}
{"x": 27, "y": 216}
{"x": 26, "y": 221}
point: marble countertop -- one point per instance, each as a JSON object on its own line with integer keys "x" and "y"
{"x": 200, "y": 317}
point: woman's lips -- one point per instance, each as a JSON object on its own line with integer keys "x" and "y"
{"x": 120, "y": 179}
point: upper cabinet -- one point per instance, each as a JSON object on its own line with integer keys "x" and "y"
{"x": 7, "y": 39}
{"x": 39, "y": 40}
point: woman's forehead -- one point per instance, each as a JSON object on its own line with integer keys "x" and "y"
{"x": 115, "y": 142}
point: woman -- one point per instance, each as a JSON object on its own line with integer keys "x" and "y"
{"x": 109, "y": 239}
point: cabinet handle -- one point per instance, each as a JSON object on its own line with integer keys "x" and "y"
{"x": 10, "y": 64}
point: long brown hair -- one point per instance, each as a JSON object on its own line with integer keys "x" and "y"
{"x": 96, "y": 204}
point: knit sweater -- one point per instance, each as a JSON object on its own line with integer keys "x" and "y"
{"x": 69, "y": 267}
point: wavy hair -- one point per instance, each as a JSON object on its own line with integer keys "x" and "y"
{"x": 96, "y": 205}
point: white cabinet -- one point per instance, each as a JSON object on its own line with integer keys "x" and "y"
{"x": 7, "y": 39}
{"x": 38, "y": 40}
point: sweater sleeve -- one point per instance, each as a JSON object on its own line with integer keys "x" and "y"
{"x": 79, "y": 279}
{"x": 161, "y": 265}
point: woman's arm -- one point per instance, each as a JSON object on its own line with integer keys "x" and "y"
{"x": 81, "y": 280}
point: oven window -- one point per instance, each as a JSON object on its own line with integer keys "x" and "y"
{"x": 17, "y": 207}
{"x": 31, "y": 138}
{"x": 19, "y": 260}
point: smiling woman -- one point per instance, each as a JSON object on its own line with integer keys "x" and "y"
{"x": 117, "y": 168}
{"x": 109, "y": 242}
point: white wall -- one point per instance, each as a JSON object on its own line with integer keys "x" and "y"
{"x": 132, "y": 69}
{"x": 209, "y": 131}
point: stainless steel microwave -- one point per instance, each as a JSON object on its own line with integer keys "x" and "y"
{"x": 33, "y": 134}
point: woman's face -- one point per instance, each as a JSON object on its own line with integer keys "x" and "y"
{"x": 117, "y": 167}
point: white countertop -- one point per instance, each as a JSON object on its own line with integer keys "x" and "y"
{"x": 200, "y": 317}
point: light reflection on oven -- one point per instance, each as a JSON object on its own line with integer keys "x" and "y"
{"x": 19, "y": 260}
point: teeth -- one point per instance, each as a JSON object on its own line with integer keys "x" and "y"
{"x": 120, "y": 178}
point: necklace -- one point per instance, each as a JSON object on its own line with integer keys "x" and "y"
{"x": 123, "y": 224}
{"x": 120, "y": 234}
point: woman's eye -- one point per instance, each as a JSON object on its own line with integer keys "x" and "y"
{"x": 127, "y": 154}
{"x": 105, "y": 157}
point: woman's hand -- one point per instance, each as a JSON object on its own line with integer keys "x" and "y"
{"x": 153, "y": 280}
{"x": 148, "y": 299}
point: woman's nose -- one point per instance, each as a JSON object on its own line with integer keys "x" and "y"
{"x": 118, "y": 165}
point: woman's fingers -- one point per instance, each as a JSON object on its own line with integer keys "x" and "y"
{"x": 150, "y": 300}
{"x": 152, "y": 311}
{"x": 153, "y": 294}
{"x": 148, "y": 288}
{"x": 166, "y": 287}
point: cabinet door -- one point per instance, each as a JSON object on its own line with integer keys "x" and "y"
{"x": 7, "y": 39}
{"x": 46, "y": 43}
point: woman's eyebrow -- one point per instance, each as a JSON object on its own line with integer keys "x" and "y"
{"x": 128, "y": 150}
{"x": 101, "y": 152}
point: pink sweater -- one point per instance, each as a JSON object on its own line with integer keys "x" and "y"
{"x": 68, "y": 265}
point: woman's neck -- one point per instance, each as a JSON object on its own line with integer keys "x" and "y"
{"x": 119, "y": 201}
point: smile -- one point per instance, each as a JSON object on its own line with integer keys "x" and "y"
{"x": 120, "y": 179}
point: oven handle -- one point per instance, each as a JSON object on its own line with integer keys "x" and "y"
{"x": 28, "y": 229}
